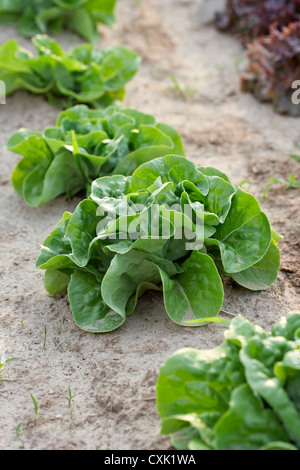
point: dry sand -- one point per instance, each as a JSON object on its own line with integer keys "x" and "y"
{"x": 113, "y": 376}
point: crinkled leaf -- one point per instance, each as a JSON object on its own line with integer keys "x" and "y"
{"x": 127, "y": 273}
{"x": 57, "y": 281}
{"x": 267, "y": 386}
{"x": 247, "y": 425}
{"x": 197, "y": 292}
{"x": 170, "y": 168}
{"x": 81, "y": 230}
{"x": 89, "y": 310}
{"x": 263, "y": 274}
{"x": 245, "y": 236}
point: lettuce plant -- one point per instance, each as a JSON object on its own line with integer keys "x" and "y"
{"x": 84, "y": 74}
{"x": 250, "y": 19}
{"x": 274, "y": 66}
{"x": 84, "y": 145}
{"x": 42, "y": 16}
{"x": 242, "y": 395}
{"x": 170, "y": 226}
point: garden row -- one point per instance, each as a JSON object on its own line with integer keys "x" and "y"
{"x": 123, "y": 158}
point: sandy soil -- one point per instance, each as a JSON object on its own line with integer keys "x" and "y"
{"x": 113, "y": 376}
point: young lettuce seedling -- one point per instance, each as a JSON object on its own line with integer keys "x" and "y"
{"x": 4, "y": 364}
{"x": 36, "y": 408}
{"x": 290, "y": 183}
